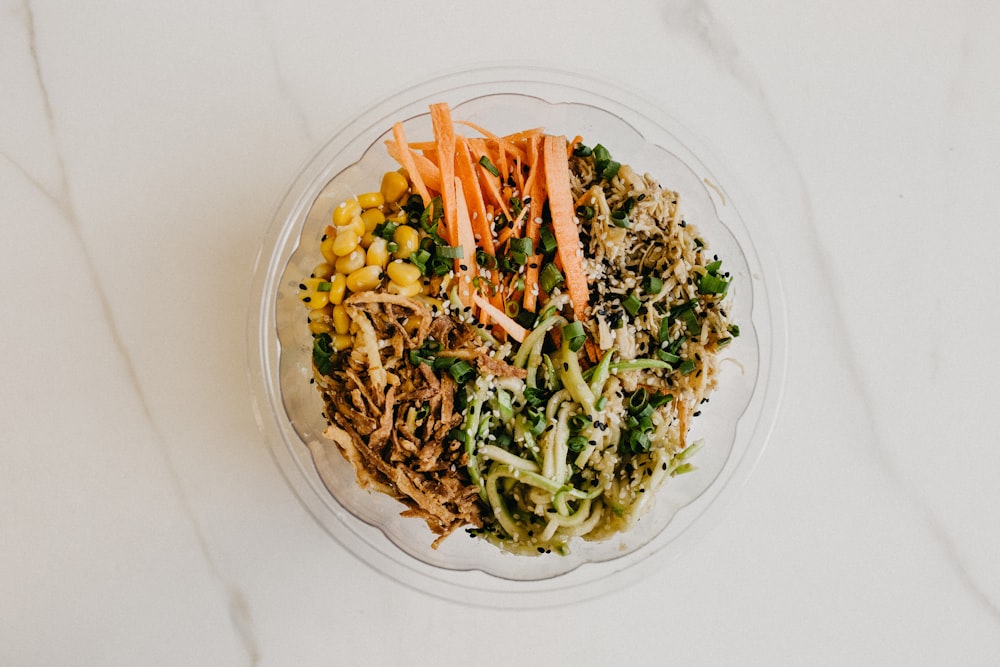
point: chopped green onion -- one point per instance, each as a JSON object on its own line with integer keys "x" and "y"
{"x": 691, "y": 322}
{"x": 575, "y": 335}
{"x": 722, "y": 342}
{"x": 533, "y": 397}
{"x": 441, "y": 266}
{"x": 579, "y": 422}
{"x": 419, "y": 260}
{"x": 576, "y": 443}
{"x": 653, "y": 285}
{"x": 392, "y": 246}
{"x": 461, "y": 371}
{"x": 548, "y": 239}
{"x": 687, "y": 366}
{"x": 601, "y": 402}
{"x": 550, "y": 277}
{"x": 638, "y": 399}
{"x": 386, "y": 230}
{"x": 322, "y": 353}
{"x": 582, "y": 151}
{"x": 632, "y": 304}
{"x": 486, "y": 260}
{"x": 489, "y": 166}
{"x": 324, "y": 287}
{"x": 585, "y": 212}
{"x": 526, "y": 318}
{"x": 712, "y": 284}
{"x": 628, "y": 204}
{"x": 601, "y": 153}
{"x": 619, "y": 218}
{"x": 521, "y": 249}
{"x": 658, "y": 400}
{"x": 610, "y": 170}
{"x": 442, "y": 363}
{"x": 450, "y": 251}
{"x": 667, "y": 357}
{"x": 714, "y": 267}
{"x": 516, "y": 206}
{"x": 664, "y": 334}
{"x": 734, "y": 329}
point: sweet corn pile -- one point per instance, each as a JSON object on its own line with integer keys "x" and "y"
{"x": 358, "y": 256}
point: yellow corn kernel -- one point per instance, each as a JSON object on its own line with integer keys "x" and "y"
{"x": 326, "y": 247}
{"x": 399, "y": 217}
{"x": 402, "y": 272}
{"x": 348, "y": 264}
{"x": 378, "y": 253}
{"x": 394, "y": 186}
{"x": 412, "y": 289}
{"x": 338, "y": 287}
{"x": 311, "y": 295}
{"x": 342, "y": 342}
{"x": 366, "y": 278}
{"x": 366, "y": 240}
{"x": 357, "y": 223}
{"x": 323, "y": 270}
{"x": 319, "y": 320}
{"x": 345, "y": 211}
{"x": 345, "y": 243}
{"x": 371, "y": 200}
{"x": 320, "y": 327}
{"x": 341, "y": 320}
{"x": 407, "y": 240}
{"x": 373, "y": 218}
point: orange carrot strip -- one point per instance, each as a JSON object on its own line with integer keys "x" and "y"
{"x": 405, "y": 158}
{"x": 444, "y": 135}
{"x": 516, "y": 331}
{"x": 428, "y": 172}
{"x": 481, "y": 130}
{"x": 531, "y": 283}
{"x": 465, "y": 268}
{"x": 473, "y": 195}
{"x": 490, "y": 185}
{"x": 564, "y": 224}
{"x": 536, "y": 188}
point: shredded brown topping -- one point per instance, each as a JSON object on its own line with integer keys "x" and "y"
{"x": 391, "y": 418}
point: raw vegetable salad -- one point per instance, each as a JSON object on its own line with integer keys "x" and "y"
{"x": 513, "y": 333}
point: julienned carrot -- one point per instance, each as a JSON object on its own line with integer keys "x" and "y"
{"x": 515, "y": 330}
{"x": 428, "y": 171}
{"x": 531, "y": 283}
{"x": 465, "y": 171}
{"x": 405, "y": 158}
{"x": 465, "y": 268}
{"x": 489, "y": 182}
{"x": 478, "y": 128}
{"x": 444, "y": 135}
{"x": 557, "y": 183}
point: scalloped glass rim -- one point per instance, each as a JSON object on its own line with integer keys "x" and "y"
{"x": 471, "y": 571}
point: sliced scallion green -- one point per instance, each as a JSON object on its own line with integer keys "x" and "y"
{"x": 632, "y": 304}
{"x": 550, "y": 277}
{"x": 574, "y": 334}
{"x": 489, "y": 166}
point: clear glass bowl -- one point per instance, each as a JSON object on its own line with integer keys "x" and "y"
{"x": 735, "y": 425}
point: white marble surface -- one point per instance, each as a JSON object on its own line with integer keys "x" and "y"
{"x": 142, "y": 148}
